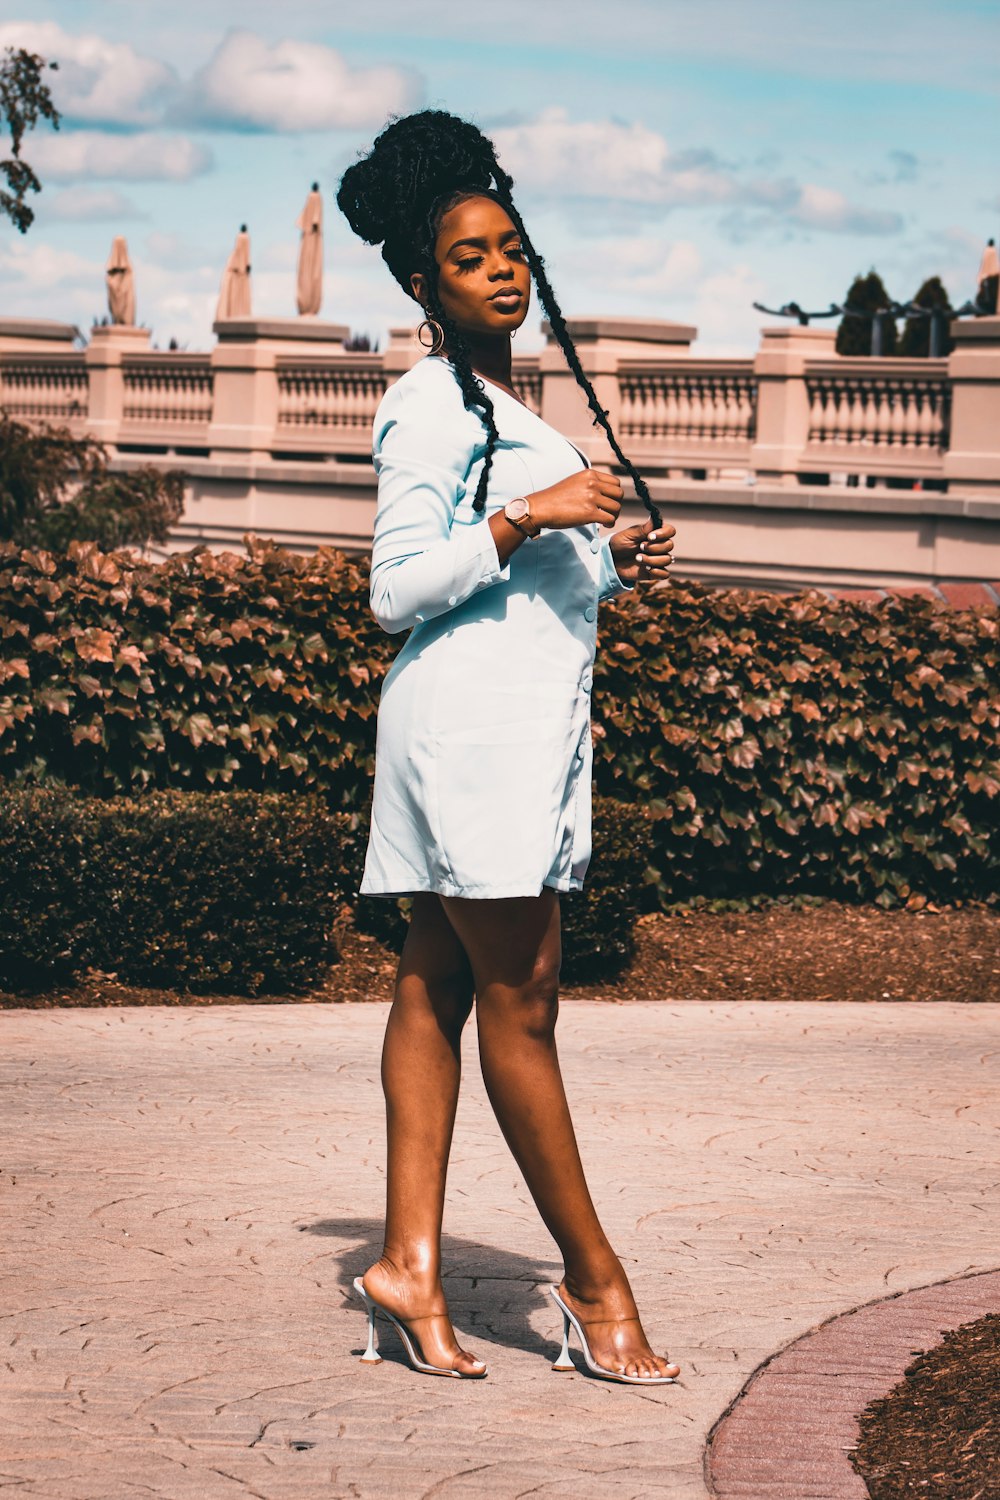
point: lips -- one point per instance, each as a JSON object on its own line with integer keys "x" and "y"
{"x": 509, "y": 294}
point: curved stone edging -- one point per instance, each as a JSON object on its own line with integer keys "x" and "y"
{"x": 787, "y": 1435}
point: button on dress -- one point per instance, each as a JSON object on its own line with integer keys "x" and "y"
{"x": 483, "y": 749}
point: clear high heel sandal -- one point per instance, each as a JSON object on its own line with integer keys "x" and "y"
{"x": 565, "y": 1363}
{"x": 371, "y": 1355}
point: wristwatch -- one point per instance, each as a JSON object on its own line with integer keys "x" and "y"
{"x": 518, "y": 513}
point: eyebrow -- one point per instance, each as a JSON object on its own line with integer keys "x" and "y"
{"x": 481, "y": 244}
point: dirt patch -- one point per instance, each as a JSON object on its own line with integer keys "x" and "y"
{"x": 824, "y": 952}
{"x": 937, "y": 1433}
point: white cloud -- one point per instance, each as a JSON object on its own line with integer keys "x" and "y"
{"x": 145, "y": 157}
{"x": 612, "y": 161}
{"x": 249, "y": 84}
{"x": 723, "y": 312}
{"x": 616, "y": 161}
{"x": 30, "y": 271}
{"x": 84, "y": 204}
{"x": 585, "y": 158}
{"x": 98, "y": 81}
{"x": 825, "y": 208}
{"x": 645, "y": 265}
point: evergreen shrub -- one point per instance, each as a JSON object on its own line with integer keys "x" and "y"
{"x": 801, "y": 746}
{"x": 780, "y": 744}
{"x": 598, "y": 923}
{"x": 193, "y": 891}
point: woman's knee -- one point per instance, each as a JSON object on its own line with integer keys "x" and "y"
{"x": 433, "y": 964}
{"x": 533, "y": 1006}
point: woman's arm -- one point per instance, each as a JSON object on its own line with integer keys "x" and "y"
{"x": 424, "y": 450}
{"x": 423, "y": 453}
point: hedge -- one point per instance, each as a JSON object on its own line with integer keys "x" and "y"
{"x": 183, "y": 890}
{"x": 780, "y": 744}
{"x": 238, "y": 892}
{"x": 801, "y": 745}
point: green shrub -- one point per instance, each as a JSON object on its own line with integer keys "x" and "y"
{"x": 204, "y": 671}
{"x": 55, "y": 488}
{"x": 598, "y": 923}
{"x": 802, "y": 745}
{"x": 782, "y": 745}
{"x": 192, "y": 891}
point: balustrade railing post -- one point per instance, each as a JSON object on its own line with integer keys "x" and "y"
{"x": 109, "y": 342}
{"x": 401, "y": 353}
{"x": 245, "y": 387}
{"x": 782, "y": 419}
{"x": 602, "y": 344}
{"x": 972, "y": 459}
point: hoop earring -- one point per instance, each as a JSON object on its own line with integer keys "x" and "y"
{"x": 437, "y": 335}
{"x": 513, "y": 331}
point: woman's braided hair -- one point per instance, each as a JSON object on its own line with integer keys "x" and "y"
{"x": 419, "y": 167}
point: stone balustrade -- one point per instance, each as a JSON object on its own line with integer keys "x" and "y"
{"x": 167, "y": 390}
{"x": 793, "y": 466}
{"x": 45, "y": 390}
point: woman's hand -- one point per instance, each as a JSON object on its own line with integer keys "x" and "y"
{"x": 581, "y": 499}
{"x": 642, "y": 555}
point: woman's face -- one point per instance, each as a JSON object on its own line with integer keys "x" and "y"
{"x": 484, "y": 284}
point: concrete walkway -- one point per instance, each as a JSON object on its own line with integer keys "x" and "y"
{"x": 187, "y": 1193}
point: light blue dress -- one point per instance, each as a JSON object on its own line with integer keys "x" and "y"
{"x": 483, "y": 752}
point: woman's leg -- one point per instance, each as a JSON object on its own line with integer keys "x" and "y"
{"x": 514, "y": 949}
{"x": 421, "y": 1069}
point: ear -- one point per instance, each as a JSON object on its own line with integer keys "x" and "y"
{"x": 418, "y": 281}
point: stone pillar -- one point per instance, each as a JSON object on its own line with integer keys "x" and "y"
{"x": 401, "y": 353}
{"x": 782, "y": 419}
{"x": 108, "y": 343}
{"x": 972, "y": 460}
{"x": 37, "y": 336}
{"x": 245, "y": 387}
{"x": 602, "y": 344}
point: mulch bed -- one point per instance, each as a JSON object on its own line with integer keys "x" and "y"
{"x": 824, "y": 952}
{"x": 937, "y": 1433}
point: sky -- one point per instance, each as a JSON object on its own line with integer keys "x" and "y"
{"x": 672, "y": 159}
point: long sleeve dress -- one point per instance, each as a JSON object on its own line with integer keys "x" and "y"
{"x": 483, "y": 749}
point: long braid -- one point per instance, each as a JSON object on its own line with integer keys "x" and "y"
{"x": 473, "y": 391}
{"x": 558, "y": 324}
{"x": 418, "y": 167}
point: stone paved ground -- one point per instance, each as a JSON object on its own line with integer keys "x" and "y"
{"x": 187, "y": 1193}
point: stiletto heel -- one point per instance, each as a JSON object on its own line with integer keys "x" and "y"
{"x": 564, "y": 1362}
{"x": 371, "y": 1355}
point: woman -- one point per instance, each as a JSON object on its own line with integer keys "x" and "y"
{"x": 488, "y": 548}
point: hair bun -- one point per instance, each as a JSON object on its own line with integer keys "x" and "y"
{"x": 414, "y": 161}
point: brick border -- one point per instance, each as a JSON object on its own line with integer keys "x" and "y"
{"x": 787, "y": 1434}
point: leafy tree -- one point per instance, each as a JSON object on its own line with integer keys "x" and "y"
{"x": 24, "y": 100}
{"x": 916, "y": 340}
{"x": 56, "y": 488}
{"x": 854, "y": 336}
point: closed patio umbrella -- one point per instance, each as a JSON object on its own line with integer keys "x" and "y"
{"x": 309, "y": 283}
{"x": 121, "y": 283}
{"x": 988, "y": 280}
{"x": 234, "y": 293}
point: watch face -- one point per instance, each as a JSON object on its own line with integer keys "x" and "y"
{"x": 516, "y": 510}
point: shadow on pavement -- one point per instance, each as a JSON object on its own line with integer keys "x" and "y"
{"x": 491, "y": 1292}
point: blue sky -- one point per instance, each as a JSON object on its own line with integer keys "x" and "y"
{"x": 673, "y": 159}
